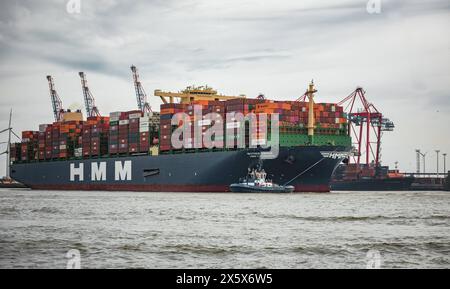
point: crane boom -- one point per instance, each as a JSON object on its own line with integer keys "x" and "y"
{"x": 141, "y": 96}
{"x": 56, "y": 101}
{"x": 89, "y": 101}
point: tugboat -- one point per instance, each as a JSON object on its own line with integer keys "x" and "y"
{"x": 256, "y": 182}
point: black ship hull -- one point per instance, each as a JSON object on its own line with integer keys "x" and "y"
{"x": 386, "y": 184}
{"x": 307, "y": 168}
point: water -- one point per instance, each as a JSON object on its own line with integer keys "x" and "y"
{"x": 198, "y": 230}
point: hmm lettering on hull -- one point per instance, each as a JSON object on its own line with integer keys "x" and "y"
{"x": 122, "y": 171}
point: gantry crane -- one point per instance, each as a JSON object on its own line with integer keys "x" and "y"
{"x": 89, "y": 101}
{"x": 371, "y": 122}
{"x": 141, "y": 96}
{"x": 56, "y": 100}
{"x": 192, "y": 93}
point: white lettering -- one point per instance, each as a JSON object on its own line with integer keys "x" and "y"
{"x": 183, "y": 130}
{"x": 123, "y": 172}
{"x": 98, "y": 171}
{"x": 76, "y": 172}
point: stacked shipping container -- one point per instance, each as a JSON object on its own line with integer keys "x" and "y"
{"x": 134, "y": 132}
{"x": 293, "y": 119}
{"x": 29, "y": 145}
{"x": 62, "y": 140}
{"x": 95, "y": 136}
{"x": 131, "y": 132}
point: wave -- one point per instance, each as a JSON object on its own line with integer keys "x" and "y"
{"x": 47, "y": 210}
{"x": 199, "y": 249}
{"x": 131, "y": 247}
{"x": 319, "y": 250}
{"x": 356, "y": 218}
{"x": 8, "y": 210}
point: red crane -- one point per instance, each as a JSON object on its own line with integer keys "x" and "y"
{"x": 141, "y": 96}
{"x": 89, "y": 100}
{"x": 56, "y": 101}
{"x": 363, "y": 114}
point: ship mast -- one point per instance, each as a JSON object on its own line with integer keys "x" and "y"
{"x": 310, "y": 94}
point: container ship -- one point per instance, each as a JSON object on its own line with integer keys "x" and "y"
{"x": 363, "y": 177}
{"x": 132, "y": 150}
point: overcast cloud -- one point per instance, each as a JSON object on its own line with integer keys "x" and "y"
{"x": 401, "y": 57}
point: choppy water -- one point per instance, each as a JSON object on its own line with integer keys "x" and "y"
{"x": 188, "y": 230}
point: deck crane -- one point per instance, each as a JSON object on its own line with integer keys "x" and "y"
{"x": 371, "y": 123}
{"x": 303, "y": 97}
{"x": 91, "y": 109}
{"x": 192, "y": 93}
{"x": 56, "y": 101}
{"x": 141, "y": 96}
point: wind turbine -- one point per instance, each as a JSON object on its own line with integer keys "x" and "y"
{"x": 8, "y": 146}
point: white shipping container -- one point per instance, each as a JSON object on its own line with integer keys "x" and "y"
{"x": 144, "y": 129}
{"x": 62, "y": 147}
{"x": 144, "y": 119}
{"x": 124, "y": 122}
{"x": 134, "y": 115}
{"x": 337, "y": 120}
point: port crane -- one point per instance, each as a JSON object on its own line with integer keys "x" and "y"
{"x": 141, "y": 96}
{"x": 371, "y": 122}
{"x": 91, "y": 109}
{"x": 56, "y": 100}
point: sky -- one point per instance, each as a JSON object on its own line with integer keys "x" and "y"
{"x": 398, "y": 51}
